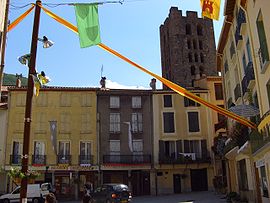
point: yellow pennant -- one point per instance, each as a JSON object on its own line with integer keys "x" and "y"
{"x": 210, "y": 8}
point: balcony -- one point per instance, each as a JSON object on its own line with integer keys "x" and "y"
{"x": 249, "y": 76}
{"x": 15, "y": 159}
{"x": 258, "y": 141}
{"x": 237, "y": 92}
{"x": 64, "y": 159}
{"x": 184, "y": 158}
{"x": 86, "y": 159}
{"x": 39, "y": 160}
{"x": 127, "y": 159}
{"x": 239, "y": 136}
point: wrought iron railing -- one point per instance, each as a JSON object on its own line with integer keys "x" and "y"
{"x": 258, "y": 140}
{"x": 63, "y": 159}
{"x": 127, "y": 159}
{"x": 182, "y": 159}
{"x": 39, "y": 159}
{"x": 15, "y": 159}
{"x": 86, "y": 159}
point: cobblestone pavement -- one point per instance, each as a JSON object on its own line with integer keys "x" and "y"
{"x": 191, "y": 197}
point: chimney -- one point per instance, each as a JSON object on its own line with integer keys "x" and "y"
{"x": 103, "y": 82}
{"x": 18, "y": 80}
{"x": 153, "y": 83}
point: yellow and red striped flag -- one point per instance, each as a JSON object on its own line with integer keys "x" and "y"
{"x": 210, "y": 8}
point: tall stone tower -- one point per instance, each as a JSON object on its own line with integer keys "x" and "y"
{"x": 188, "y": 49}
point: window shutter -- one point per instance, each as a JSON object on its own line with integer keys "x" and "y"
{"x": 179, "y": 148}
{"x": 186, "y": 146}
{"x": 161, "y": 149}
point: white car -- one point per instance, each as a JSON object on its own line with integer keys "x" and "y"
{"x": 36, "y": 193}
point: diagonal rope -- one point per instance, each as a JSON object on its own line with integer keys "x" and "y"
{"x": 20, "y": 18}
{"x": 180, "y": 90}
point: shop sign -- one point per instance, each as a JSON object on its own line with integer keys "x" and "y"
{"x": 73, "y": 168}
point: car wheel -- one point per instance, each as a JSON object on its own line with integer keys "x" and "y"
{"x": 35, "y": 200}
{"x": 6, "y": 201}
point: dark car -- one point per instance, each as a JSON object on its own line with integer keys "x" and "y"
{"x": 111, "y": 193}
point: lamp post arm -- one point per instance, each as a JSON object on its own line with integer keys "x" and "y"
{"x": 28, "y": 105}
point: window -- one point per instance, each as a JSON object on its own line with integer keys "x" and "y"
{"x": 168, "y": 122}
{"x": 39, "y": 152}
{"x": 200, "y": 45}
{"x": 41, "y": 123}
{"x": 264, "y": 183}
{"x": 42, "y": 100}
{"x": 218, "y": 91}
{"x": 192, "y": 70}
{"x": 65, "y": 123}
{"x": 136, "y": 102}
{"x": 188, "y": 29}
{"x": 193, "y": 146}
{"x": 201, "y": 71}
{"x": 39, "y": 148}
{"x": 194, "y": 44}
{"x": 85, "y": 122}
{"x": 65, "y": 100}
{"x": 137, "y": 146}
{"x": 85, "y": 152}
{"x": 137, "y": 123}
{"x": 244, "y": 62}
{"x": 193, "y": 122}
{"x": 189, "y": 57}
{"x": 196, "y": 57}
{"x": 20, "y": 100}
{"x": 115, "y": 151}
{"x": 167, "y": 100}
{"x": 169, "y": 149}
{"x": 16, "y": 152}
{"x": 202, "y": 58}
{"x": 199, "y": 30}
{"x": 114, "y": 102}
{"x": 242, "y": 175}
{"x": 263, "y": 51}
{"x": 189, "y": 102}
{"x": 86, "y": 100}
{"x": 64, "y": 148}
{"x": 19, "y": 122}
{"x": 114, "y": 122}
{"x": 248, "y": 51}
{"x": 189, "y": 44}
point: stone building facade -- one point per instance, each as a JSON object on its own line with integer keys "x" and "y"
{"x": 187, "y": 48}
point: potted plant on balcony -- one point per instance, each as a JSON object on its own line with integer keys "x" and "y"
{"x": 32, "y": 175}
{"x": 16, "y": 174}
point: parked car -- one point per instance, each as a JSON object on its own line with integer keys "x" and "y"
{"x": 36, "y": 193}
{"x": 111, "y": 193}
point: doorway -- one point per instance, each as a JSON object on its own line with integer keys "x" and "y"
{"x": 177, "y": 183}
{"x": 199, "y": 180}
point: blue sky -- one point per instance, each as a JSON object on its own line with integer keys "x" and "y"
{"x": 131, "y": 29}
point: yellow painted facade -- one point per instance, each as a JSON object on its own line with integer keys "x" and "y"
{"x": 167, "y": 174}
{"x": 73, "y": 110}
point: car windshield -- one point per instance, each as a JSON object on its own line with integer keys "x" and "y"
{"x": 120, "y": 187}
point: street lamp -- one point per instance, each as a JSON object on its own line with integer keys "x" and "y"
{"x": 29, "y": 95}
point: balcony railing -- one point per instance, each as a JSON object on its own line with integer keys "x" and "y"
{"x": 38, "y": 159}
{"x": 86, "y": 159}
{"x": 239, "y": 136}
{"x": 237, "y": 92}
{"x": 249, "y": 75}
{"x": 258, "y": 140}
{"x": 15, "y": 159}
{"x": 63, "y": 159}
{"x": 127, "y": 159}
{"x": 184, "y": 158}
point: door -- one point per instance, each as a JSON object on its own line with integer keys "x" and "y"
{"x": 177, "y": 183}
{"x": 199, "y": 179}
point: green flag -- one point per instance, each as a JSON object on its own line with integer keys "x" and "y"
{"x": 87, "y": 23}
